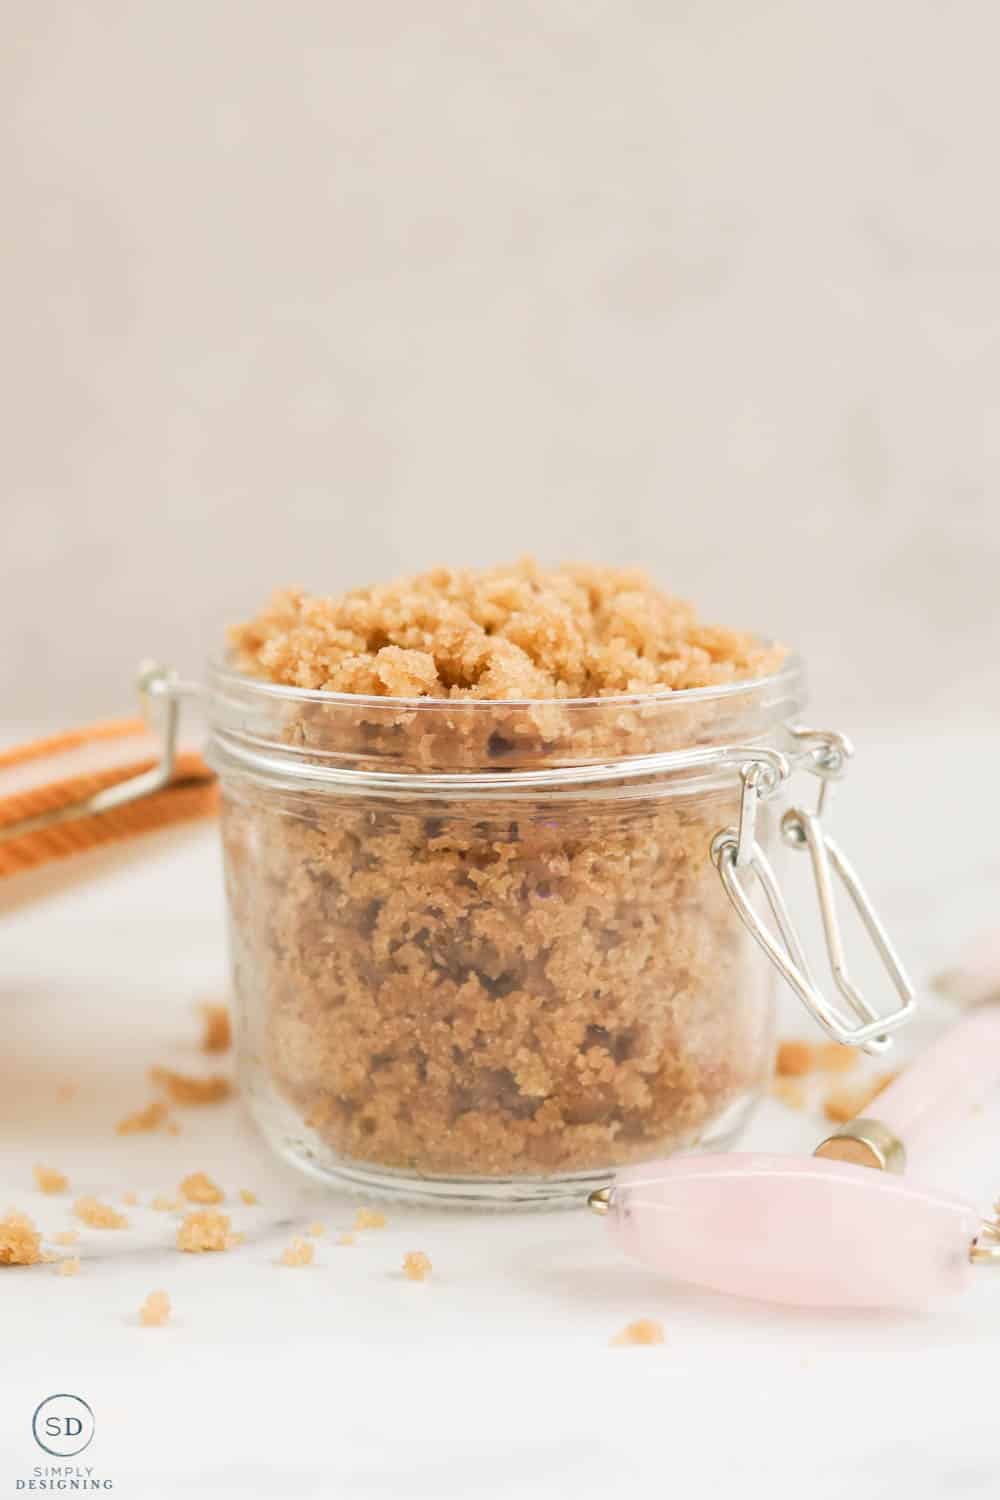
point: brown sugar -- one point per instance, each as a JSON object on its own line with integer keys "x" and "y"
{"x": 247, "y": 1196}
{"x": 501, "y": 633}
{"x": 846, "y": 1103}
{"x": 789, "y": 1091}
{"x": 184, "y": 1089}
{"x": 50, "y": 1179}
{"x": 155, "y": 1311}
{"x": 199, "y": 1188}
{"x": 69, "y": 1267}
{"x": 99, "y": 1215}
{"x": 369, "y": 1218}
{"x": 794, "y": 1059}
{"x": 205, "y": 1230}
{"x": 642, "y": 1331}
{"x": 833, "y": 1057}
{"x": 20, "y": 1242}
{"x": 497, "y": 986}
{"x": 150, "y": 1118}
{"x": 299, "y": 1253}
{"x": 216, "y": 1035}
{"x": 416, "y": 1265}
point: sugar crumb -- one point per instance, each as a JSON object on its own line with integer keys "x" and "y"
{"x": 248, "y": 1197}
{"x": 217, "y": 1032}
{"x": 155, "y": 1311}
{"x": 66, "y": 1237}
{"x": 347, "y": 1239}
{"x": 846, "y": 1103}
{"x": 99, "y": 1215}
{"x": 20, "y": 1242}
{"x": 164, "y": 1204}
{"x": 316, "y": 1229}
{"x": 50, "y": 1179}
{"x": 149, "y": 1118}
{"x": 794, "y": 1059}
{"x": 298, "y": 1253}
{"x": 416, "y": 1265}
{"x": 183, "y": 1089}
{"x": 205, "y": 1230}
{"x": 369, "y": 1218}
{"x": 49, "y": 1257}
{"x": 642, "y": 1331}
{"x": 130, "y": 1198}
{"x": 834, "y": 1057}
{"x": 69, "y": 1267}
{"x": 199, "y": 1188}
{"x": 789, "y": 1091}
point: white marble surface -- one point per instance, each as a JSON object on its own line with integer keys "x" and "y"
{"x": 495, "y": 1378}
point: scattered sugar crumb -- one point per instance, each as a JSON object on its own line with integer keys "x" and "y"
{"x": 99, "y": 1215}
{"x": 845, "y": 1103}
{"x": 369, "y": 1218}
{"x": 66, "y": 1237}
{"x": 347, "y": 1239}
{"x": 69, "y": 1267}
{"x": 248, "y": 1196}
{"x": 173, "y": 1128}
{"x": 184, "y": 1089}
{"x": 298, "y": 1253}
{"x": 794, "y": 1059}
{"x": 155, "y": 1311}
{"x": 150, "y": 1118}
{"x": 66, "y": 1091}
{"x": 199, "y": 1188}
{"x": 316, "y": 1229}
{"x": 130, "y": 1198}
{"x": 50, "y": 1179}
{"x": 416, "y": 1265}
{"x": 642, "y": 1331}
{"x": 217, "y": 1033}
{"x": 49, "y": 1257}
{"x": 205, "y": 1230}
{"x": 789, "y": 1091}
{"x": 833, "y": 1057}
{"x": 20, "y": 1242}
{"x": 164, "y": 1204}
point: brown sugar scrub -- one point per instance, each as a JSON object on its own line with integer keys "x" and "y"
{"x": 476, "y": 941}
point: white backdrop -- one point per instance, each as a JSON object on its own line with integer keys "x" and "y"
{"x": 318, "y": 292}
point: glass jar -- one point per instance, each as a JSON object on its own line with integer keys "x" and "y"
{"x": 480, "y": 949}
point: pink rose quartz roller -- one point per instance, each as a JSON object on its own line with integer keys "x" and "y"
{"x": 826, "y": 1230}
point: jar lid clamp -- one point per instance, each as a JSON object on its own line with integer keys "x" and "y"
{"x": 735, "y": 851}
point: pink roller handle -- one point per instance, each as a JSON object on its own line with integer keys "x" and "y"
{"x": 793, "y": 1229}
{"x": 944, "y": 1084}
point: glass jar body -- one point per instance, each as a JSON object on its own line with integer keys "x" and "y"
{"x": 492, "y": 1000}
{"x": 481, "y": 952}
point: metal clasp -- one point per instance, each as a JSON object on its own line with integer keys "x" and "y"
{"x": 160, "y": 692}
{"x": 735, "y": 850}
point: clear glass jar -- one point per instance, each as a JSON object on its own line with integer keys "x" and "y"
{"x": 480, "y": 949}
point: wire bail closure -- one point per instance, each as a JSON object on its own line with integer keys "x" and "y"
{"x": 736, "y": 851}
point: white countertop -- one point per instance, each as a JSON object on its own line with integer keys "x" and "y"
{"x": 494, "y": 1378}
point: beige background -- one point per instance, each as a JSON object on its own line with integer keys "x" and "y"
{"x": 315, "y": 291}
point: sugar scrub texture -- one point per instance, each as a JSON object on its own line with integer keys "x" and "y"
{"x": 494, "y": 985}
{"x": 513, "y": 632}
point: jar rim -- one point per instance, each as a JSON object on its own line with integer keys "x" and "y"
{"x": 789, "y": 676}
